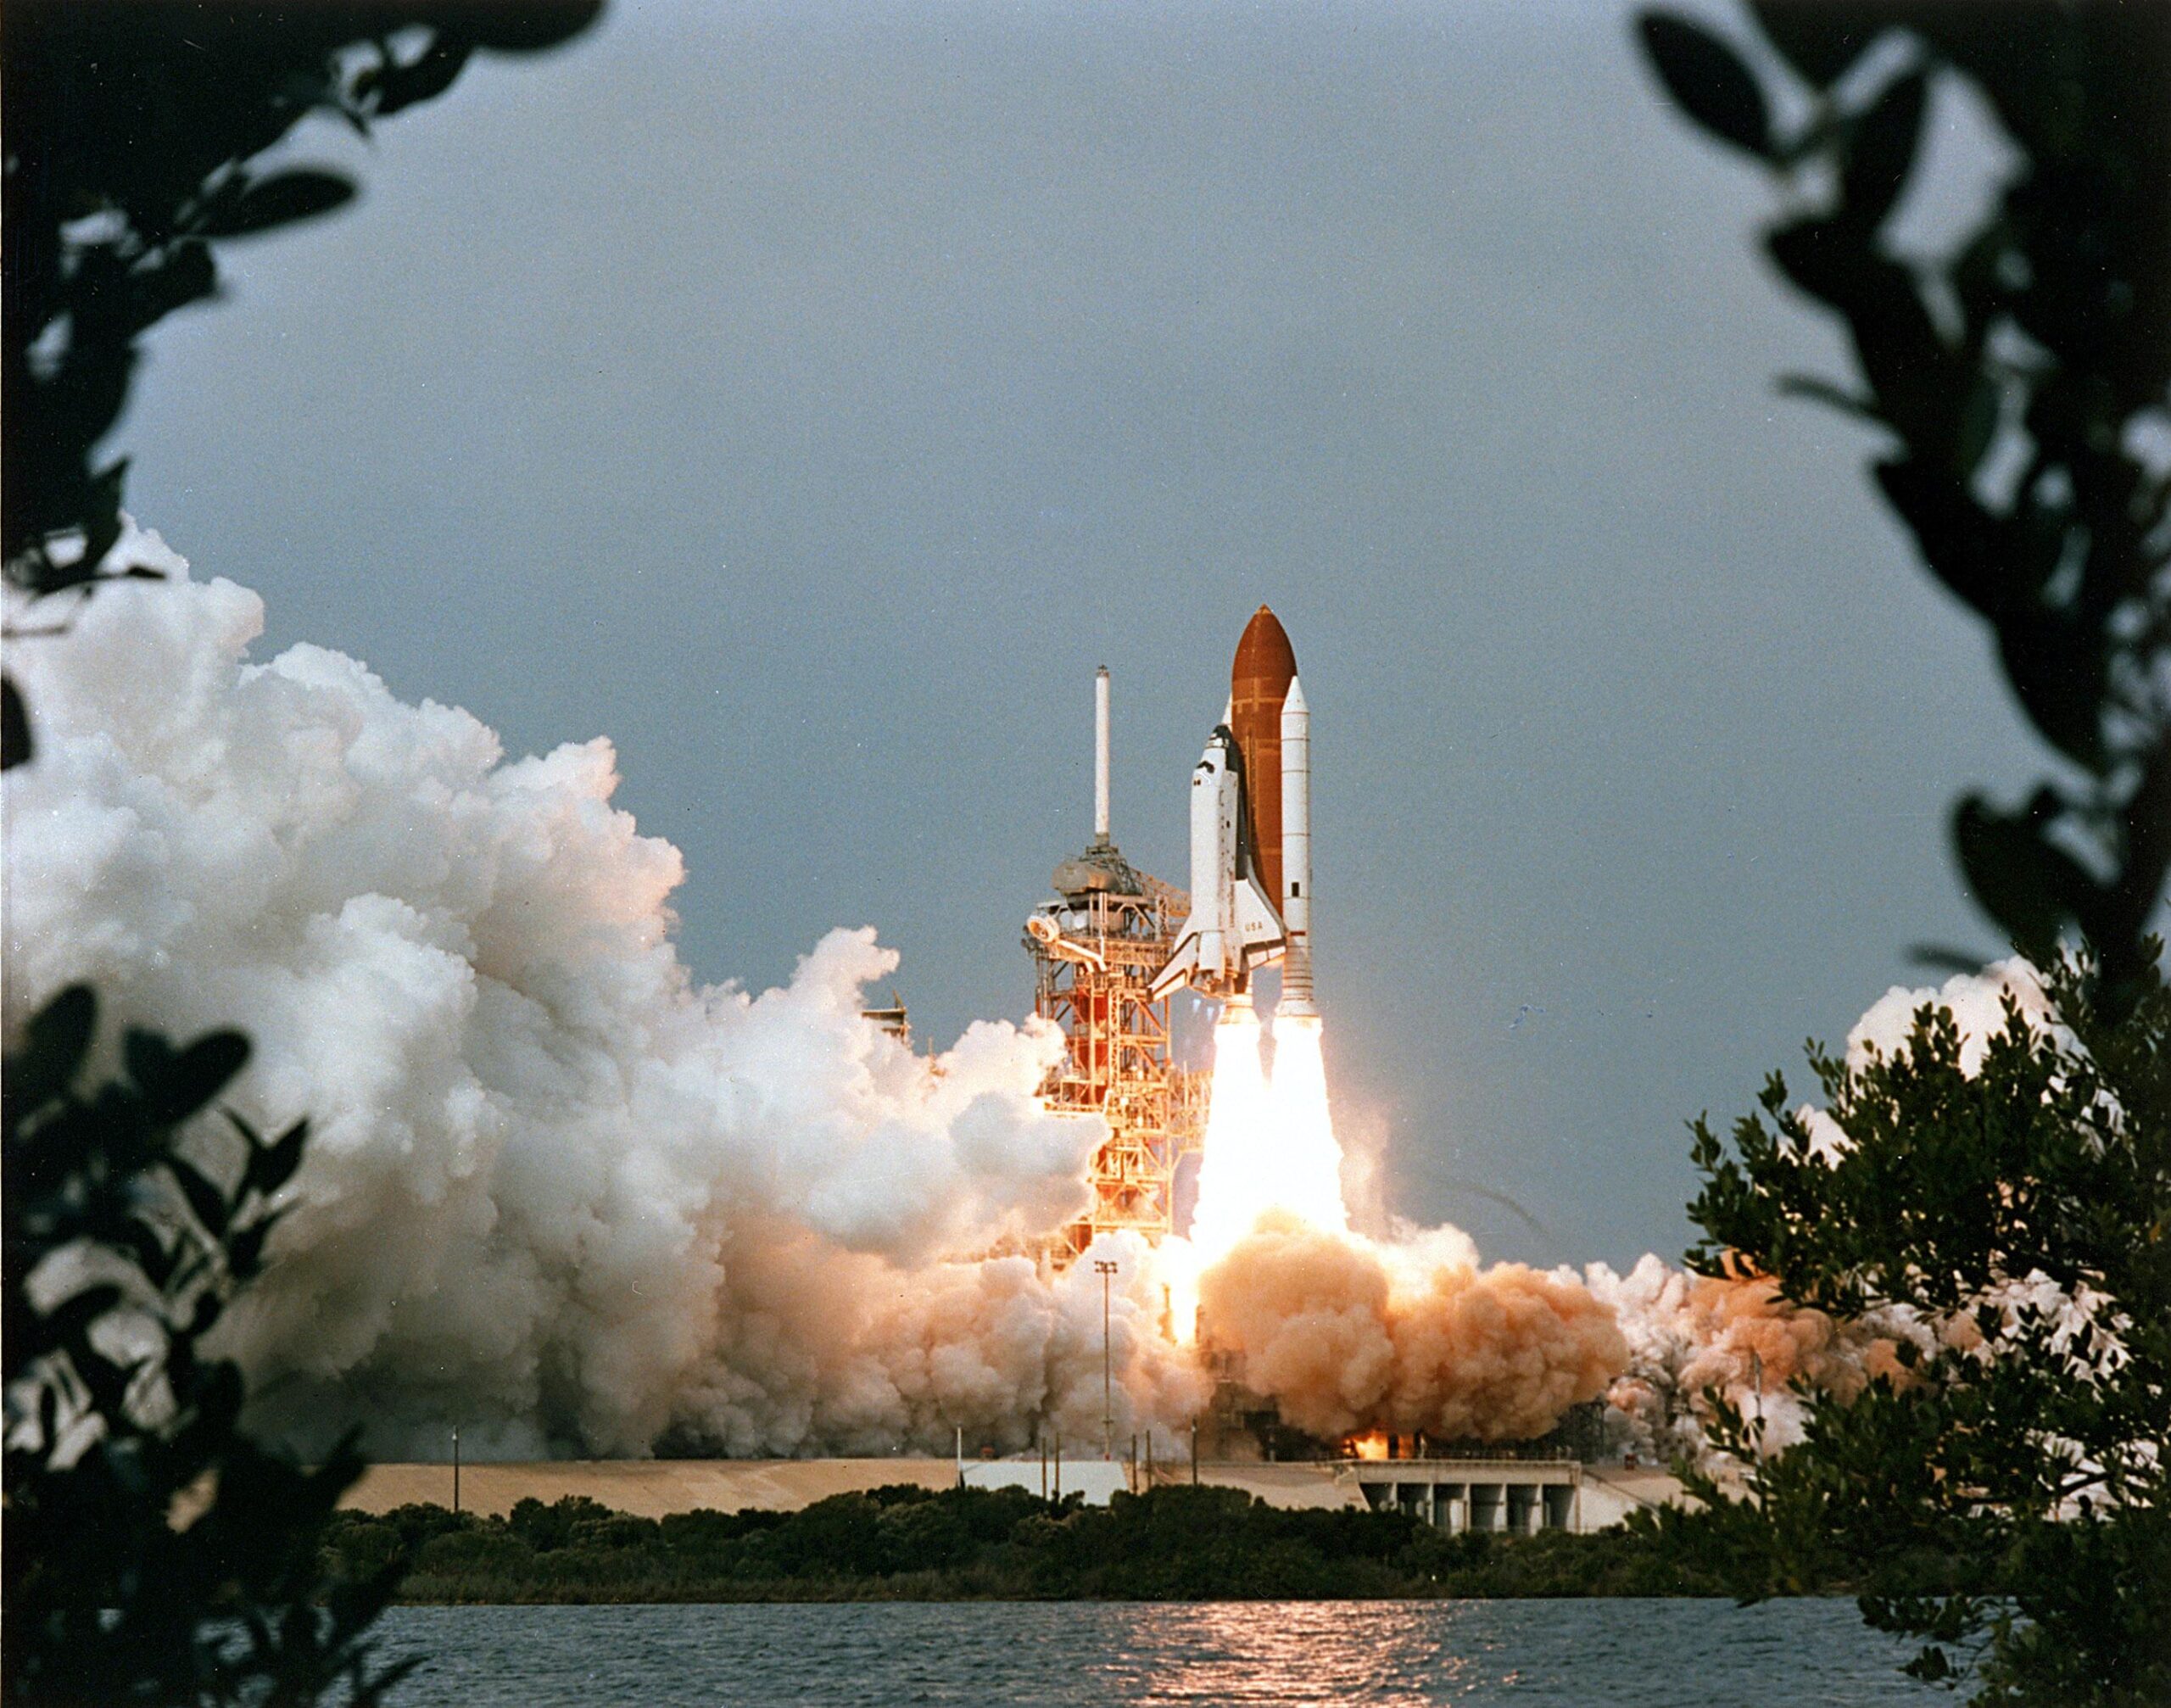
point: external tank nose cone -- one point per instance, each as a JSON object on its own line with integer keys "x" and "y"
{"x": 1264, "y": 659}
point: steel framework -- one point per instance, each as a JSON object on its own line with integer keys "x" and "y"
{"x": 1095, "y": 949}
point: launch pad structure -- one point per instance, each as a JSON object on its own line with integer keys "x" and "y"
{"x": 1097, "y": 947}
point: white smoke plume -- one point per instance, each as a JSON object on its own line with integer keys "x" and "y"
{"x": 556, "y": 1193}
{"x": 561, "y": 1195}
{"x": 1976, "y": 1001}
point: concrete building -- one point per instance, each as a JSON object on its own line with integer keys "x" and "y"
{"x": 1519, "y": 1496}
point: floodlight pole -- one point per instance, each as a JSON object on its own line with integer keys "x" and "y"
{"x": 455, "y": 1470}
{"x": 1106, "y": 1268}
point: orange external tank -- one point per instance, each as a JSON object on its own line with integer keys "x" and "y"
{"x": 1258, "y": 684}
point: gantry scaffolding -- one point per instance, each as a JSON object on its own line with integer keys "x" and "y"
{"x": 1096, "y": 948}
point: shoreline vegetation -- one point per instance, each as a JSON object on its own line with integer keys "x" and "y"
{"x": 904, "y": 1543}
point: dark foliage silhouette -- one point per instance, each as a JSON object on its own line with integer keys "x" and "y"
{"x": 2021, "y": 384}
{"x": 1169, "y": 1543}
{"x": 2020, "y": 381}
{"x": 2017, "y": 1213}
{"x": 154, "y": 1554}
{"x": 133, "y": 132}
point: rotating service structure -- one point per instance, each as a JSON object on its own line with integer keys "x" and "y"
{"x": 1097, "y": 945}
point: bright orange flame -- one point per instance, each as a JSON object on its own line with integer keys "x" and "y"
{"x": 1269, "y": 1144}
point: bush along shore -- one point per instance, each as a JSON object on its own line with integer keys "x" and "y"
{"x": 910, "y": 1543}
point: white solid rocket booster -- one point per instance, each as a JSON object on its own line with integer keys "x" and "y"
{"x": 1297, "y": 854}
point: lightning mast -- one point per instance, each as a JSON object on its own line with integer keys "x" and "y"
{"x": 1097, "y": 945}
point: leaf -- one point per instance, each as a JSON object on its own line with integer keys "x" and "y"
{"x": 1821, "y": 257}
{"x": 101, "y": 523}
{"x": 1881, "y": 149}
{"x": 245, "y": 1251}
{"x": 1824, "y": 392}
{"x": 2019, "y": 877}
{"x": 54, "y": 1044}
{"x": 1977, "y": 427}
{"x": 1943, "y": 957}
{"x": 1708, "y": 81}
{"x": 106, "y": 1380}
{"x": 529, "y": 28}
{"x": 1965, "y": 548}
{"x": 301, "y": 194}
{"x": 198, "y": 1075}
{"x": 150, "y": 1253}
{"x": 2060, "y": 671}
{"x": 16, "y": 745}
{"x": 146, "y": 1055}
{"x": 1930, "y": 1666}
{"x": 205, "y": 1200}
{"x": 272, "y": 1165}
{"x": 428, "y": 76}
{"x": 1819, "y": 41}
{"x": 181, "y": 273}
{"x": 67, "y": 1322}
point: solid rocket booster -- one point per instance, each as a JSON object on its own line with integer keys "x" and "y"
{"x": 1251, "y": 876}
{"x": 1297, "y": 854}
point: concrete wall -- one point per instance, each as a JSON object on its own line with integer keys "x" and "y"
{"x": 1099, "y": 1480}
{"x": 1611, "y": 1493}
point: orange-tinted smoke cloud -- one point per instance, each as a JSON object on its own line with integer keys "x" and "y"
{"x": 1745, "y": 1333}
{"x": 1690, "y": 1335}
{"x": 1346, "y": 1336}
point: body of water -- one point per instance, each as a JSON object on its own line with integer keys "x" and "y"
{"x": 1596, "y": 1653}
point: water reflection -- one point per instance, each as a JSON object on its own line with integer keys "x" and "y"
{"x": 1396, "y": 1654}
{"x": 1034, "y": 1655}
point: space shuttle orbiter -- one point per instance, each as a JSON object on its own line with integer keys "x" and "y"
{"x": 1251, "y": 834}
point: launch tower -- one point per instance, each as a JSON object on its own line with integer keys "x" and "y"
{"x": 1097, "y": 945}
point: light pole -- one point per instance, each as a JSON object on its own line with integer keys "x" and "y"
{"x": 455, "y": 1470}
{"x": 1756, "y": 1376}
{"x": 1106, "y": 1268}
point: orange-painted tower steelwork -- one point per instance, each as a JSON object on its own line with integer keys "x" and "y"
{"x": 1097, "y": 945}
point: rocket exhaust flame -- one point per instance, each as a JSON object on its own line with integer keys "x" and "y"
{"x": 1346, "y": 1334}
{"x": 1269, "y": 1142}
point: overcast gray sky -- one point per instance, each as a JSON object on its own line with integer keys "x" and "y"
{"x": 808, "y": 397}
